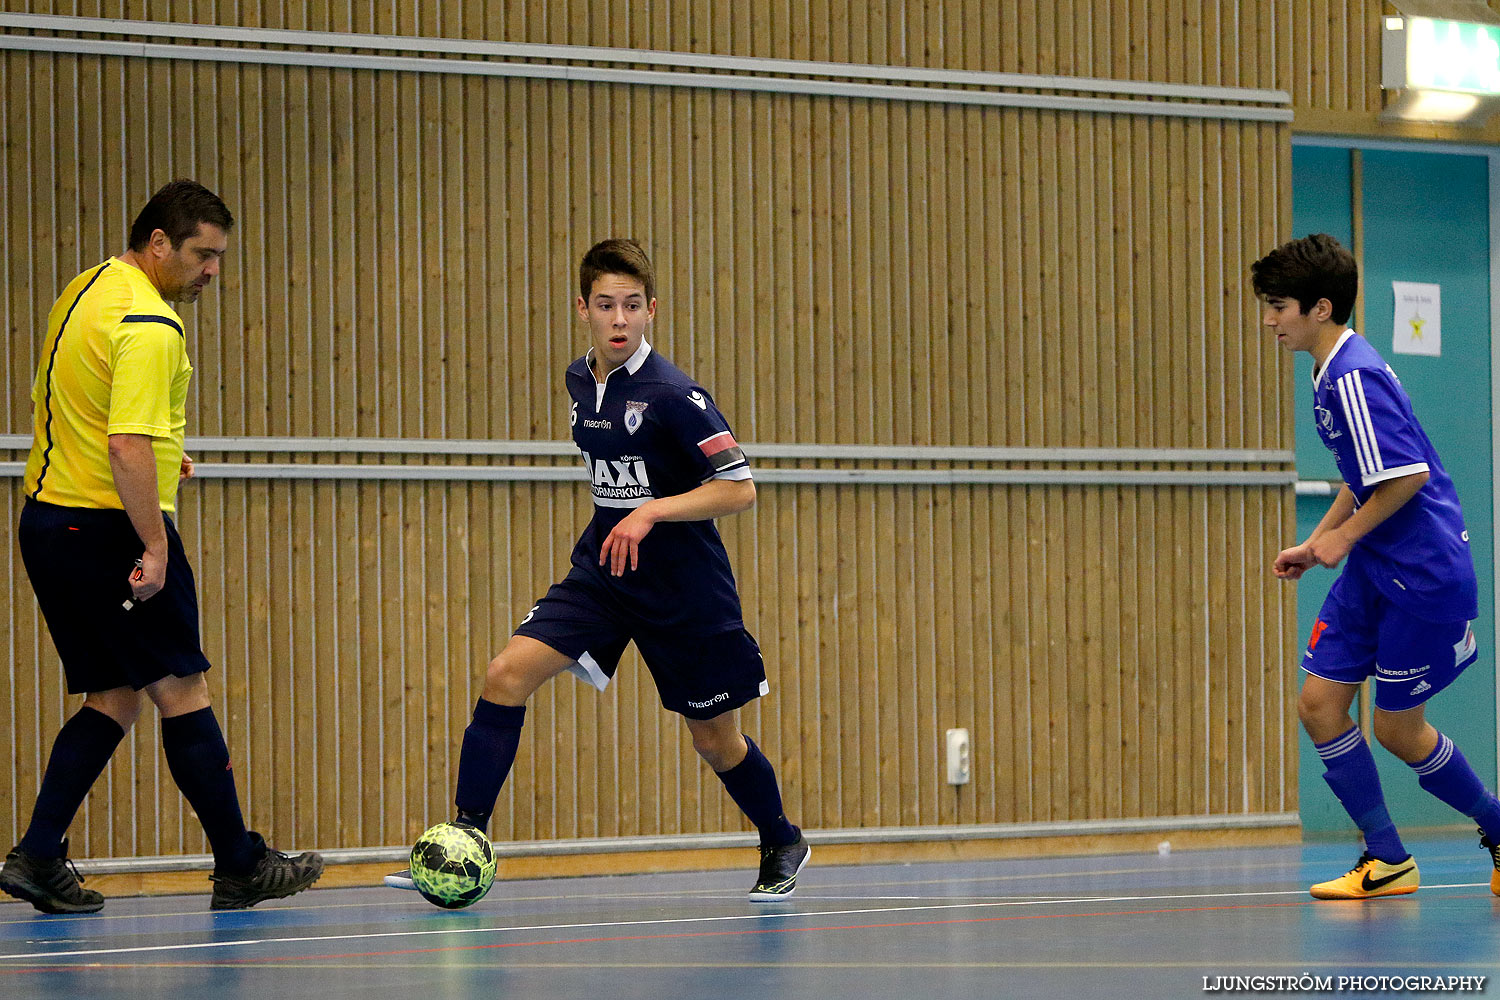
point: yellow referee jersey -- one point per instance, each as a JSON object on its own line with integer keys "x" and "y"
{"x": 114, "y": 362}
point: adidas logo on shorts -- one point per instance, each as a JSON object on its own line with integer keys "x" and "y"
{"x": 1422, "y": 686}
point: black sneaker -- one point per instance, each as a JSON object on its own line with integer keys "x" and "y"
{"x": 274, "y": 876}
{"x": 52, "y": 885}
{"x": 1494, "y": 849}
{"x": 401, "y": 880}
{"x": 778, "y": 869}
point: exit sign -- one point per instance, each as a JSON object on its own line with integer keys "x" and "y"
{"x": 1430, "y": 54}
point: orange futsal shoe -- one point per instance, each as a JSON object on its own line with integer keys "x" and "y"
{"x": 1370, "y": 878}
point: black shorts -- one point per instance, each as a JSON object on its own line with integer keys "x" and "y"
{"x": 79, "y": 560}
{"x": 698, "y": 676}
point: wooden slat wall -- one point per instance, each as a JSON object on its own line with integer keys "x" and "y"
{"x": 1334, "y": 55}
{"x": 835, "y": 270}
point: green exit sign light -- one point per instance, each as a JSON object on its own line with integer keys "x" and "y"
{"x": 1433, "y": 54}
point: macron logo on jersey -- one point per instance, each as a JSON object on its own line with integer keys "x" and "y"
{"x": 696, "y": 398}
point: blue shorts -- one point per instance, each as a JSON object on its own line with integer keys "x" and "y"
{"x": 697, "y": 676}
{"x": 1360, "y": 634}
{"x": 79, "y": 561}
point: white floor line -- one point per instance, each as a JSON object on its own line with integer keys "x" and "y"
{"x": 658, "y": 922}
{"x": 710, "y": 893}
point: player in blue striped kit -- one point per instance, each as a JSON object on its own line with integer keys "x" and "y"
{"x": 1401, "y": 609}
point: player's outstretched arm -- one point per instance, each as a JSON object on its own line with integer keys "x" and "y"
{"x": 715, "y": 498}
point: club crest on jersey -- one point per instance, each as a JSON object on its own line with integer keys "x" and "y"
{"x": 634, "y": 416}
{"x": 1325, "y": 421}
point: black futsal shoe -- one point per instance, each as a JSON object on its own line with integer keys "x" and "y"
{"x": 52, "y": 885}
{"x": 274, "y": 876}
{"x": 1494, "y": 849}
{"x": 778, "y": 869}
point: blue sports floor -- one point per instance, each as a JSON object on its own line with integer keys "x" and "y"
{"x": 1107, "y": 926}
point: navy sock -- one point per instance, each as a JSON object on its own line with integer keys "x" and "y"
{"x": 199, "y": 761}
{"x": 82, "y": 749}
{"x": 1352, "y": 776}
{"x": 489, "y": 751}
{"x": 1446, "y": 774}
{"x": 752, "y": 785}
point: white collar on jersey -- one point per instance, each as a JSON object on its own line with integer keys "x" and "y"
{"x": 1318, "y": 372}
{"x": 632, "y": 364}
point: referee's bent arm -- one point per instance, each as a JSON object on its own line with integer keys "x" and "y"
{"x": 133, "y": 464}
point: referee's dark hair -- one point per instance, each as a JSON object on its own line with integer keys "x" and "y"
{"x": 1308, "y": 269}
{"x": 617, "y": 256}
{"x": 177, "y": 210}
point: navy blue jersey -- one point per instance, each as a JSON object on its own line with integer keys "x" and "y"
{"x": 650, "y": 431}
{"x": 1419, "y": 557}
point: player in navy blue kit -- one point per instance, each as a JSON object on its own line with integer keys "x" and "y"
{"x": 1401, "y": 609}
{"x": 649, "y": 568}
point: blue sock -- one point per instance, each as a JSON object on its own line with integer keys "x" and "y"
{"x": 489, "y": 750}
{"x": 199, "y": 761}
{"x": 1352, "y": 776}
{"x": 82, "y": 749}
{"x": 1446, "y": 774}
{"x": 752, "y": 785}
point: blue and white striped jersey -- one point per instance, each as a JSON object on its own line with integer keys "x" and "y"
{"x": 1418, "y": 557}
{"x": 650, "y": 431}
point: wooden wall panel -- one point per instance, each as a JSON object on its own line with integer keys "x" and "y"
{"x": 1181, "y": 42}
{"x": 836, "y": 270}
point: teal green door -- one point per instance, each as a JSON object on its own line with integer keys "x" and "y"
{"x": 1425, "y": 219}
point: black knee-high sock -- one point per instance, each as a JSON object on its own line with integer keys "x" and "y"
{"x": 80, "y": 752}
{"x": 199, "y": 761}
{"x": 752, "y": 785}
{"x": 489, "y": 750}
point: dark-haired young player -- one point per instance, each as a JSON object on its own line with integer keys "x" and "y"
{"x": 1401, "y": 609}
{"x": 649, "y": 568}
{"x": 105, "y": 561}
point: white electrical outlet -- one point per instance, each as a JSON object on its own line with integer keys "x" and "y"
{"x": 958, "y": 756}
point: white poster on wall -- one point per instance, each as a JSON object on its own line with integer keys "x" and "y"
{"x": 1419, "y": 318}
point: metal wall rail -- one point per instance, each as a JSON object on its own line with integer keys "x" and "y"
{"x": 701, "y": 841}
{"x": 658, "y": 78}
{"x": 568, "y": 472}
{"x": 639, "y": 57}
{"x": 874, "y": 477}
{"x": 870, "y": 452}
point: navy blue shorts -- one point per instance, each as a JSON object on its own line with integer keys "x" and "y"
{"x": 1360, "y": 633}
{"x": 697, "y": 676}
{"x": 79, "y": 560}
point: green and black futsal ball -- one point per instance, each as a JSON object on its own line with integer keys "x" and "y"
{"x": 453, "y": 865}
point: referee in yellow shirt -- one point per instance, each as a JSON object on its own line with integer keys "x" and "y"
{"x": 103, "y": 556}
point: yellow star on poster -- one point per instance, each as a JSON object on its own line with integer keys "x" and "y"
{"x": 1417, "y": 322}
